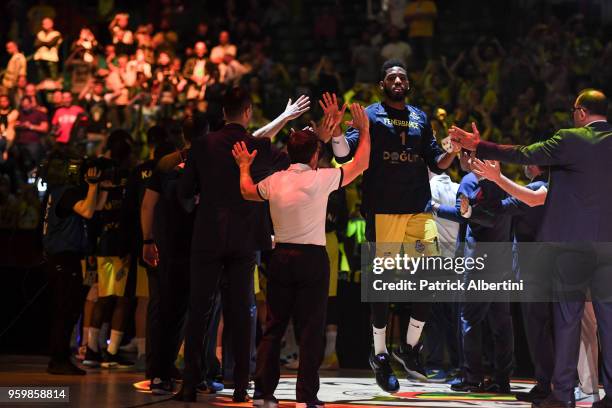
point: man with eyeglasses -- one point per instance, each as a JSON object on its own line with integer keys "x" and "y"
{"x": 578, "y": 219}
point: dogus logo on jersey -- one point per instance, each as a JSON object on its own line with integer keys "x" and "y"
{"x": 403, "y": 157}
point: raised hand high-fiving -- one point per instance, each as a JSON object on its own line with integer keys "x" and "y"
{"x": 329, "y": 104}
{"x": 296, "y": 109}
{"x": 242, "y": 156}
{"x": 467, "y": 140}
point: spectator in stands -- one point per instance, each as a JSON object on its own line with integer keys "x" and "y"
{"x": 31, "y": 127}
{"x": 81, "y": 62}
{"x": 31, "y": 91}
{"x": 304, "y": 85}
{"x": 165, "y": 39}
{"x": 16, "y": 66}
{"x": 218, "y": 53}
{"x": 139, "y": 65}
{"x": 118, "y": 83}
{"x": 64, "y": 118}
{"x": 231, "y": 70}
{"x": 144, "y": 41}
{"x": 8, "y": 118}
{"x": 122, "y": 37}
{"x": 19, "y": 90}
{"x": 327, "y": 77}
{"x": 47, "y": 45}
{"x": 88, "y": 43}
{"x": 396, "y": 48}
{"x": 421, "y": 16}
{"x": 197, "y": 71}
{"x": 366, "y": 60}
{"x": 202, "y": 34}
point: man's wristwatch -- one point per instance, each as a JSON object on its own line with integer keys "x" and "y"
{"x": 148, "y": 241}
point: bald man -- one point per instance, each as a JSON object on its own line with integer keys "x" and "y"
{"x": 578, "y": 219}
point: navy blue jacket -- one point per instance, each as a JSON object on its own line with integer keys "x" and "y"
{"x": 578, "y": 206}
{"x": 526, "y": 220}
{"x": 484, "y": 195}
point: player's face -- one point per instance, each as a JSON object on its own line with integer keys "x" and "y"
{"x": 396, "y": 85}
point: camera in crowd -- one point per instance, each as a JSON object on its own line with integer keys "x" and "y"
{"x": 61, "y": 168}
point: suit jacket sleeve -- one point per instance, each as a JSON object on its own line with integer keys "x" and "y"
{"x": 509, "y": 206}
{"x": 486, "y": 217}
{"x": 553, "y": 151}
{"x": 188, "y": 68}
{"x": 189, "y": 182}
{"x": 453, "y": 213}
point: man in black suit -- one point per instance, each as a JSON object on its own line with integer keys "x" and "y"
{"x": 577, "y": 216}
{"x": 227, "y": 232}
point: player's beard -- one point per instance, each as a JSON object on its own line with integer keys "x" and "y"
{"x": 395, "y": 97}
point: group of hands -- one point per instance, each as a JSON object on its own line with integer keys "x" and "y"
{"x": 461, "y": 139}
{"x": 329, "y": 126}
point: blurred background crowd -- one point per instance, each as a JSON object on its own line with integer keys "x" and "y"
{"x": 75, "y": 72}
{"x": 72, "y": 73}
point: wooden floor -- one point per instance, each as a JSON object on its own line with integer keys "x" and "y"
{"x": 341, "y": 389}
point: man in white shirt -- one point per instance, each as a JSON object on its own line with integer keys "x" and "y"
{"x": 218, "y": 53}
{"x": 396, "y": 48}
{"x": 298, "y": 274}
{"x": 16, "y": 66}
{"x": 46, "y": 56}
{"x": 444, "y": 192}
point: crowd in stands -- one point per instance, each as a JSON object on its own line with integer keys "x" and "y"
{"x": 124, "y": 74}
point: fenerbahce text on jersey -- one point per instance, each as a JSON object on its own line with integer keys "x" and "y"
{"x": 403, "y": 146}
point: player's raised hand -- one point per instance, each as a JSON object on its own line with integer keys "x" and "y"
{"x": 360, "y": 119}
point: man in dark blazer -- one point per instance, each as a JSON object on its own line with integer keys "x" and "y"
{"x": 577, "y": 211}
{"x": 227, "y": 232}
{"x": 474, "y": 315}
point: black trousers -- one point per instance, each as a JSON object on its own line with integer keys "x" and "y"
{"x": 538, "y": 323}
{"x": 207, "y": 268}
{"x": 473, "y": 316}
{"x": 154, "y": 326}
{"x": 298, "y": 284}
{"x": 68, "y": 294}
{"x": 581, "y": 267}
{"x": 168, "y": 301}
{"x": 442, "y": 333}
